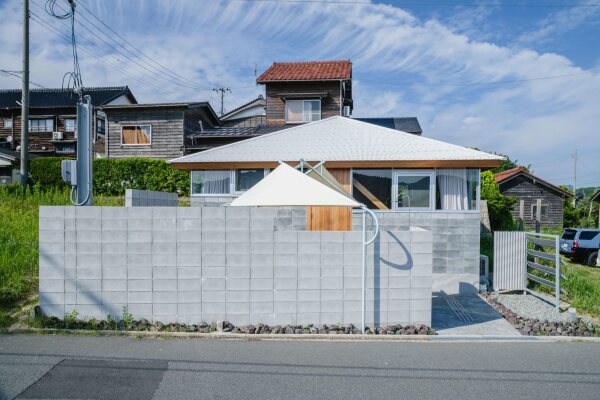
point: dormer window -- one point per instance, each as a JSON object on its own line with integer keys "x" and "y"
{"x": 300, "y": 111}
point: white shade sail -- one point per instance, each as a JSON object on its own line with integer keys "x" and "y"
{"x": 288, "y": 187}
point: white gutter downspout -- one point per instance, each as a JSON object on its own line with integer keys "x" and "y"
{"x": 364, "y": 259}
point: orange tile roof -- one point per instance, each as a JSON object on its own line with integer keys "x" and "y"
{"x": 504, "y": 175}
{"x": 307, "y": 71}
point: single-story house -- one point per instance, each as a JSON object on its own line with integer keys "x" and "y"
{"x": 408, "y": 179}
{"x": 528, "y": 189}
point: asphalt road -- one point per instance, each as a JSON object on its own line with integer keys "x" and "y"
{"x": 52, "y": 367}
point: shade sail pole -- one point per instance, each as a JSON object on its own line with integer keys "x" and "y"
{"x": 365, "y": 210}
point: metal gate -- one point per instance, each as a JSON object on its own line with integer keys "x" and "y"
{"x": 520, "y": 257}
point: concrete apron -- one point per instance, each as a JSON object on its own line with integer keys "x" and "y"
{"x": 307, "y": 337}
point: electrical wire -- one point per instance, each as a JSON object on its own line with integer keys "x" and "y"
{"x": 73, "y": 79}
{"x": 17, "y": 74}
{"x": 427, "y": 4}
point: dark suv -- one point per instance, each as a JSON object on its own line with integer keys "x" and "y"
{"x": 581, "y": 245}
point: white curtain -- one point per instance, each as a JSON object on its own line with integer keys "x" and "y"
{"x": 214, "y": 182}
{"x": 452, "y": 187}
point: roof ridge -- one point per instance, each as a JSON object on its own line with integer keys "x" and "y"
{"x": 312, "y": 62}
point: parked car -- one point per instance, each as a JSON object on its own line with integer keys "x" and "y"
{"x": 581, "y": 244}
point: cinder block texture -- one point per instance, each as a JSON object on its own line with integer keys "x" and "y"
{"x": 245, "y": 265}
{"x": 150, "y": 198}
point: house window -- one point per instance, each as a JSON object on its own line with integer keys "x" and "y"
{"x": 413, "y": 190}
{"x": 211, "y": 182}
{"x": 100, "y": 128}
{"x": 457, "y": 189}
{"x": 70, "y": 125}
{"x": 41, "y": 125}
{"x": 299, "y": 111}
{"x": 7, "y": 123}
{"x": 544, "y": 211}
{"x": 246, "y": 178}
{"x": 136, "y": 135}
{"x": 372, "y": 187}
{"x": 66, "y": 149}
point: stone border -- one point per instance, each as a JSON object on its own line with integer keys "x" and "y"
{"x": 305, "y": 337}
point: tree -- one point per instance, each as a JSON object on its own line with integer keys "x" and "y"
{"x": 499, "y": 205}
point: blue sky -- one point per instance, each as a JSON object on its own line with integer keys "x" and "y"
{"x": 470, "y": 74}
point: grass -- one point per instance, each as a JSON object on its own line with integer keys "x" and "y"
{"x": 583, "y": 288}
{"x": 19, "y": 241}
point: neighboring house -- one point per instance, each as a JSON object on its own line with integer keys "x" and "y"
{"x": 408, "y": 179}
{"x": 296, "y": 93}
{"x": 9, "y": 165}
{"x": 528, "y": 189}
{"x": 163, "y": 130}
{"x": 52, "y": 118}
{"x": 249, "y": 115}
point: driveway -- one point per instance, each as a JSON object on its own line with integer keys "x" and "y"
{"x": 69, "y": 367}
{"x": 467, "y": 314}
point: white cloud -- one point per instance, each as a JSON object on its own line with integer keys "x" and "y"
{"x": 403, "y": 65}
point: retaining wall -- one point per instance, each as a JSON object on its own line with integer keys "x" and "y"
{"x": 197, "y": 264}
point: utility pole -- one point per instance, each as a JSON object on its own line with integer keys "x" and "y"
{"x": 222, "y": 92}
{"x": 575, "y": 177}
{"x": 25, "y": 100}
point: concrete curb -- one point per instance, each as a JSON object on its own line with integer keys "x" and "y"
{"x": 306, "y": 337}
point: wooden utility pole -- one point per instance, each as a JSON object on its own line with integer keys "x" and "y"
{"x": 575, "y": 178}
{"x": 25, "y": 100}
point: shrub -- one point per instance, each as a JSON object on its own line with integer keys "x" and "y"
{"x": 499, "y": 206}
{"x": 113, "y": 176}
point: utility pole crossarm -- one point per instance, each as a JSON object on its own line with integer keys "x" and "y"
{"x": 222, "y": 91}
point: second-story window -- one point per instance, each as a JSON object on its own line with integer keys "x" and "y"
{"x": 299, "y": 111}
{"x": 136, "y": 135}
{"x": 41, "y": 125}
{"x": 7, "y": 123}
{"x": 70, "y": 125}
{"x": 100, "y": 127}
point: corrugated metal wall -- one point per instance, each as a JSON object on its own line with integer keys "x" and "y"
{"x": 509, "y": 260}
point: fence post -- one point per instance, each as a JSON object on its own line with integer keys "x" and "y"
{"x": 557, "y": 273}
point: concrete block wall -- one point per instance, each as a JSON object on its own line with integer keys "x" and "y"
{"x": 456, "y": 237}
{"x": 198, "y": 264}
{"x": 150, "y": 198}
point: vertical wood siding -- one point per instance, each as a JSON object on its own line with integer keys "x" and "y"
{"x": 332, "y": 218}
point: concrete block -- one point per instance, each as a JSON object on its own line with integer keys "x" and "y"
{"x": 213, "y": 236}
{"x": 309, "y": 283}
{"x": 285, "y": 307}
{"x": 89, "y": 297}
{"x": 260, "y": 307}
{"x": 191, "y": 260}
{"x": 285, "y": 237}
{"x": 331, "y": 295}
{"x": 213, "y": 272}
{"x": 185, "y": 224}
{"x": 114, "y": 224}
{"x": 262, "y": 248}
{"x": 189, "y": 309}
{"x": 47, "y": 248}
{"x": 261, "y": 236}
{"x": 141, "y": 225}
{"x": 332, "y": 283}
{"x": 267, "y": 319}
{"x": 352, "y": 271}
{"x": 113, "y": 248}
{"x": 332, "y": 259}
{"x": 237, "y": 284}
{"x": 233, "y": 248}
{"x": 51, "y": 224}
{"x": 167, "y": 260}
{"x": 192, "y": 236}
{"x": 167, "y": 285}
{"x": 52, "y": 298}
{"x": 189, "y": 297}
{"x": 237, "y": 224}
{"x": 213, "y": 296}
{"x": 421, "y": 281}
{"x": 114, "y": 237}
{"x": 89, "y": 273}
{"x": 285, "y": 260}
{"x": 309, "y": 261}
{"x": 284, "y": 296}
{"x": 309, "y": 272}
{"x": 139, "y": 273}
{"x": 261, "y": 296}
{"x": 71, "y": 285}
{"x": 332, "y": 272}
{"x": 155, "y": 236}
{"x": 88, "y": 310}
{"x": 139, "y": 309}
{"x": 330, "y": 318}
{"x": 309, "y": 307}
{"x": 51, "y": 285}
{"x": 237, "y": 308}
{"x": 89, "y": 285}
{"x": 398, "y": 282}
{"x": 239, "y": 236}
{"x": 281, "y": 283}
{"x": 164, "y": 309}
{"x": 213, "y": 248}
{"x": 139, "y": 285}
{"x": 139, "y": 297}
{"x": 262, "y": 224}
{"x": 352, "y": 259}
{"x": 332, "y": 237}
{"x": 139, "y": 260}
{"x": 164, "y": 224}
{"x": 237, "y": 272}
{"x": 210, "y": 284}
{"x": 309, "y": 248}
{"x": 217, "y": 309}
{"x": 308, "y": 295}
{"x": 114, "y": 285}
{"x": 164, "y": 297}
{"x": 261, "y": 272}
{"x": 189, "y": 248}
{"x": 285, "y": 248}
{"x": 237, "y": 296}
{"x": 239, "y": 319}
{"x": 237, "y": 260}
{"x": 261, "y": 284}
{"x": 181, "y": 273}
{"x": 309, "y": 237}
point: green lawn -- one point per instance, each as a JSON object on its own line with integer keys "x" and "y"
{"x": 19, "y": 241}
{"x": 583, "y": 288}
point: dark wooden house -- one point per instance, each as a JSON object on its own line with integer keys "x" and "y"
{"x": 52, "y": 118}
{"x": 156, "y": 130}
{"x": 529, "y": 191}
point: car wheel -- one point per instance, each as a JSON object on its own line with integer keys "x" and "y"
{"x": 591, "y": 261}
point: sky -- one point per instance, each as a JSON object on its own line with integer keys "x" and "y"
{"x": 519, "y": 78}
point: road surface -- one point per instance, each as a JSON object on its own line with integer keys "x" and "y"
{"x": 77, "y": 367}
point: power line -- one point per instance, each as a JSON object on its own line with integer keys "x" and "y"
{"x": 427, "y": 4}
{"x": 170, "y": 71}
{"x": 17, "y": 74}
{"x": 49, "y": 27}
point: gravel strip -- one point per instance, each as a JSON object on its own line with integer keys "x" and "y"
{"x": 531, "y": 307}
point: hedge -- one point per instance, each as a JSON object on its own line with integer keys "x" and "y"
{"x": 113, "y": 176}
